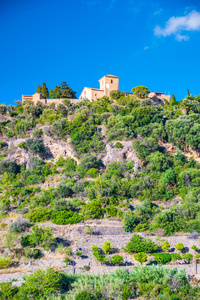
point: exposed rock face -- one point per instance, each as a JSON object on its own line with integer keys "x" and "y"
{"x": 56, "y": 147}
{"x": 126, "y": 153}
{"x": 59, "y": 148}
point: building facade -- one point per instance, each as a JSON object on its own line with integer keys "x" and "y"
{"x": 108, "y": 83}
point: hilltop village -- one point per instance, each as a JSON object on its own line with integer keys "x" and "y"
{"x": 108, "y": 84}
{"x": 99, "y": 196}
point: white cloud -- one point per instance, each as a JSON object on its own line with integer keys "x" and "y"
{"x": 175, "y": 25}
{"x": 145, "y": 48}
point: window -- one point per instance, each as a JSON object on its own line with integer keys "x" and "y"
{"x": 111, "y": 81}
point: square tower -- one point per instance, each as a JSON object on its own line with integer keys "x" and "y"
{"x": 109, "y": 83}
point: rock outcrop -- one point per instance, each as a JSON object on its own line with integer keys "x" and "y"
{"x": 126, "y": 153}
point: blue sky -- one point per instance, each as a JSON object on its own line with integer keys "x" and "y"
{"x": 151, "y": 43}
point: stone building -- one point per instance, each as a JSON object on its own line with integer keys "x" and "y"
{"x": 159, "y": 98}
{"x": 107, "y": 83}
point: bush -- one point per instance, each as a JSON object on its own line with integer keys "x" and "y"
{"x": 88, "y": 230}
{"x": 166, "y": 245}
{"x": 187, "y": 256}
{"x": 97, "y": 254}
{"x": 175, "y": 256}
{"x": 118, "y": 145}
{"x": 35, "y": 254}
{"x": 36, "y": 147}
{"x": 62, "y": 204}
{"x": 93, "y": 210}
{"x": 141, "y": 257}
{"x": 39, "y": 237}
{"x": 163, "y": 258}
{"x": 117, "y": 260}
{"x": 129, "y": 223}
{"x": 39, "y": 214}
{"x": 140, "y": 244}
{"x": 84, "y": 295}
{"x": 20, "y": 225}
{"x": 66, "y": 217}
{"x": 179, "y": 246}
{"x": 9, "y": 167}
{"x": 5, "y": 262}
{"x": 67, "y": 260}
{"x": 92, "y": 172}
{"x": 42, "y": 284}
{"x": 107, "y": 247}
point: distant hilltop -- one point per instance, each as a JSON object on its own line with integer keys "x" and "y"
{"x": 108, "y": 84}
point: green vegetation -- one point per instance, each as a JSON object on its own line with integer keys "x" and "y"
{"x": 141, "y": 282}
{"x": 159, "y": 195}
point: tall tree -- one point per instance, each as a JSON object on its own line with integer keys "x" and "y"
{"x": 62, "y": 91}
{"x": 45, "y": 92}
{"x": 140, "y": 91}
{"x": 188, "y": 93}
{"x": 67, "y": 92}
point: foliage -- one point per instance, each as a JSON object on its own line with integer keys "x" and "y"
{"x": 62, "y": 91}
{"x": 84, "y": 295}
{"x": 92, "y": 210}
{"x": 5, "y": 262}
{"x": 107, "y": 247}
{"x": 141, "y": 257}
{"x": 163, "y": 258}
{"x": 88, "y": 230}
{"x": 98, "y": 255}
{"x": 9, "y": 167}
{"x": 140, "y": 91}
{"x": 166, "y": 245}
{"x": 116, "y": 94}
{"x": 179, "y": 246}
{"x": 66, "y": 217}
{"x": 39, "y": 214}
{"x": 129, "y": 223}
{"x": 36, "y": 146}
{"x": 39, "y": 237}
{"x": 140, "y": 244}
{"x": 117, "y": 260}
{"x": 20, "y": 225}
{"x": 118, "y": 145}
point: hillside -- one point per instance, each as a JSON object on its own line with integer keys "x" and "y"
{"x": 87, "y": 186}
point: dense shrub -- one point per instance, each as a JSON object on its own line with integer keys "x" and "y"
{"x": 4, "y": 262}
{"x": 20, "y": 225}
{"x": 39, "y": 237}
{"x": 39, "y": 214}
{"x": 36, "y": 146}
{"x": 163, "y": 258}
{"x": 66, "y": 217}
{"x": 129, "y": 223}
{"x": 9, "y": 167}
{"x": 117, "y": 259}
{"x": 93, "y": 210}
{"x": 140, "y": 244}
{"x": 84, "y": 295}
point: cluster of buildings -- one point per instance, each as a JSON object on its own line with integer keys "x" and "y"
{"x": 108, "y": 83}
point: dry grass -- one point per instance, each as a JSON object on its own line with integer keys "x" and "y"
{"x": 13, "y": 270}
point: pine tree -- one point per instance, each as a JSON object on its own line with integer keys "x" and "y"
{"x": 45, "y": 92}
{"x": 188, "y": 93}
{"x": 67, "y": 92}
